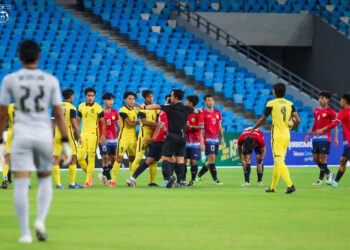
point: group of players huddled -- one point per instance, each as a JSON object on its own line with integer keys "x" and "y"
{"x": 115, "y": 134}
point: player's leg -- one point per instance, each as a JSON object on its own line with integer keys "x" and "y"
{"x": 205, "y": 168}
{"x": 140, "y": 152}
{"x": 91, "y": 152}
{"x": 105, "y": 157}
{"x": 5, "y": 172}
{"x": 214, "y": 150}
{"x": 194, "y": 171}
{"x": 132, "y": 153}
{"x": 180, "y": 160}
{"x": 343, "y": 161}
{"x": 73, "y": 173}
{"x": 247, "y": 169}
{"x": 259, "y": 167}
{"x": 121, "y": 149}
{"x": 315, "y": 155}
{"x": 324, "y": 152}
{"x": 153, "y": 174}
{"x": 82, "y": 151}
{"x": 56, "y": 161}
{"x": 131, "y": 181}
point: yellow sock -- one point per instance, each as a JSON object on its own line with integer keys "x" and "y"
{"x": 90, "y": 166}
{"x": 56, "y": 174}
{"x": 285, "y": 173}
{"x": 153, "y": 172}
{"x": 275, "y": 176}
{"x": 136, "y": 163}
{"x": 5, "y": 170}
{"x": 115, "y": 170}
{"x": 72, "y": 173}
{"x": 81, "y": 160}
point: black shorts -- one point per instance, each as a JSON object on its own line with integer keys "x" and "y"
{"x": 108, "y": 149}
{"x": 258, "y": 151}
{"x": 211, "y": 149}
{"x": 155, "y": 150}
{"x": 193, "y": 153}
{"x": 174, "y": 145}
{"x": 321, "y": 147}
{"x": 346, "y": 152}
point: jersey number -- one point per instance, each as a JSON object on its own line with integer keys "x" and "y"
{"x": 36, "y": 99}
{"x": 284, "y": 112}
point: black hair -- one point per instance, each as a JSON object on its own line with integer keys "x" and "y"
{"x": 107, "y": 96}
{"x": 67, "y": 93}
{"x": 208, "y": 96}
{"x": 248, "y": 144}
{"x": 29, "y": 51}
{"x": 146, "y": 93}
{"x": 280, "y": 89}
{"x": 127, "y": 93}
{"x": 168, "y": 101}
{"x": 87, "y": 90}
{"x": 178, "y": 94}
{"x": 193, "y": 99}
{"x": 167, "y": 96}
{"x": 346, "y": 97}
{"x": 325, "y": 94}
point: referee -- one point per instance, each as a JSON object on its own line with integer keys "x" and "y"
{"x": 175, "y": 141}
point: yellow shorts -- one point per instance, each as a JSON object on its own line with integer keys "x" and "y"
{"x": 141, "y": 146}
{"x": 280, "y": 146}
{"x": 127, "y": 144}
{"x": 58, "y": 146}
{"x": 90, "y": 143}
{"x": 8, "y": 141}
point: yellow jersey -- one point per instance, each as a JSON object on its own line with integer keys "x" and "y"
{"x": 11, "y": 115}
{"x": 90, "y": 115}
{"x": 69, "y": 112}
{"x": 281, "y": 110}
{"x": 125, "y": 130}
{"x": 150, "y": 116}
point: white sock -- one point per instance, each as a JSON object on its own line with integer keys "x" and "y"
{"x": 21, "y": 204}
{"x": 44, "y": 198}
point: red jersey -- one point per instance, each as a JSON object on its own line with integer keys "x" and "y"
{"x": 193, "y": 136}
{"x": 163, "y": 119}
{"x": 323, "y": 117}
{"x": 343, "y": 118}
{"x": 258, "y": 136}
{"x": 211, "y": 126}
{"x": 111, "y": 131}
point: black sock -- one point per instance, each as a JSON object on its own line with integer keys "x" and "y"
{"x": 166, "y": 167}
{"x": 105, "y": 172}
{"x": 213, "y": 172}
{"x": 247, "y": 173}
{"x": 165, "y": 176}
{"x": 194, "y": 171}
{"x": 9, "y": 175}
{"x": 140, "y": 170}
{"x": 323, "y": 170}
{"x": 338, "y": 177}
{"x": 179, "y": 170}
{"x": 260, "y": 174}
{"x": 172, "y": 167}
{"x": 203, "y": 170}
{"x": 110, "y": 168}
{"x": 184, "y": 173}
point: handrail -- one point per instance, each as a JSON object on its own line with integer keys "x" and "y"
{"x": 253, "y": 54}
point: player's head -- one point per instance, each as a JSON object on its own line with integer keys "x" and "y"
{"x": 248, "y": 144}
{"x": 108, "y": 99}
{"x": 90, "y": 94}
{"x": 148, "y": 96}
{"x": 191, "y": 101}
{"x": 323, "y": 98}
{"x": 129, "y": 98}
{"x": 345, "y": 100}
{"x": 279, "y": 90}
{"x": 177, "y": 95}
{"x": 209, "y": 101}
{"x": 168, "y": 99}
{"x": 29, "y": 52}
{"x": 68, "y": 95}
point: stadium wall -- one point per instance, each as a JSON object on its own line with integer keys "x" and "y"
{"x": 265, "y": 29}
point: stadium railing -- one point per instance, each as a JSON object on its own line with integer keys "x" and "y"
{"x": 270, "y": 65}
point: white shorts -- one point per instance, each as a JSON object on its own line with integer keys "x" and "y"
{"x": 32, "y": 152}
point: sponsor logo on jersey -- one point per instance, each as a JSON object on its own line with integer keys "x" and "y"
{"x": 324, "y": 114}
{"x": 193, "y": 119}
{"x": 113, "y": 117}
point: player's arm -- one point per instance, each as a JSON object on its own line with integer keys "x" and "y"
{"x": 73, "y": 120}
{"x": 339, "y": 119}
{"x": 262, "y": 120}
{"x": 221, "y": 131}
{"x": 79, "y": 117}
{"x": 241, "y": 156}
{"x": 58, "y": 114}
{"x": 336, "y": 141}
{"x": 118, "y": 125}
{"x": 104, "y": 127}
{"x": 142, "y": 117}
{"x": 128, "y": 121}
{"x": 196, "y": 127}
{"x": 310, "y": 132}
{"x": 53, "y": 123}
{"x": 3, "y": 121}
{"x": 296, "y": 117}
{"x": 152, "y": 107}
{"x": 160, "y": 126}
{"x": 201, "y": 142}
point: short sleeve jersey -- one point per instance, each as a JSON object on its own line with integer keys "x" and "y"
{"x": 111, "y": 118}
{"x": 193, "y": 136}
{"x": 323, "y": 117}
{"x": 90, "y": 115}
{"x": 258, "y": 136}
{"x": 125, "y": 130}
{"x": 212, "y": 119}
{"x": 69, "y": 112}
{"x": 150, "y": 116}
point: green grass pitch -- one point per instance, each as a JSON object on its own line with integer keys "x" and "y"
{"x": 202, "y": 217}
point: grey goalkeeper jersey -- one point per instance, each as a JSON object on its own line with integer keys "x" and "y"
{"x": 34, "y": 92}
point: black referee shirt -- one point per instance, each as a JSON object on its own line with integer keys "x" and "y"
{"x": 177, "y": 117}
